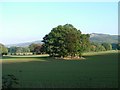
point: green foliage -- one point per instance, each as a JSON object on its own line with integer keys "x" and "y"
{"x": 3, "y": 49}
{"x": 118, "y": 46}
{"x": 65, "y": 40}
{"x": 25, "y": 49}
{"x": 15, "y": 50}
{"x": 95, "y": 47}
{"x": 92, "y": 48}
{"x": 36, "y": 48}
{"x": 85, "y": 43}
{"x": 107, "y": 46}
{"x": 12, "y": 50}
{"x": 32, "y": 47}
{"x": 115, "y": 46}
{"x": 19, "y": 50}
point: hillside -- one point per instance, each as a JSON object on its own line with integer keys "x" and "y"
{"x": 101, "y": 38}
{"x": 24, "y": 44}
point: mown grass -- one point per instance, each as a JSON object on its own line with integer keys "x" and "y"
{"x": 100, "y": 71}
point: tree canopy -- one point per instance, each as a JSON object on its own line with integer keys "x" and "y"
{"x": 65, "y": 40}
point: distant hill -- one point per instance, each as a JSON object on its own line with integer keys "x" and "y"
{"x": 94, "y": 37}
{"x": 101, "y": 38}
{"x": 25, "y": 44}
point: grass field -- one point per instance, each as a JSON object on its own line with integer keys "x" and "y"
{"x": 98, "y": 70}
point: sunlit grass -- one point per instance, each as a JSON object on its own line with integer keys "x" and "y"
{"x": 99, "y": 53}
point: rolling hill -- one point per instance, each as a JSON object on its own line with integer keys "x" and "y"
{"x": 25, "y": 44}
{"x": 101, "y": 38}
{"x": 94, "y": 37}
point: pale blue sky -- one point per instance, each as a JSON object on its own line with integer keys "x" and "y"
{"x": 24, "y": 22}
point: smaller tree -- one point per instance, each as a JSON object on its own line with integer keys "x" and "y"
{"x": 95, "y": 47}
{"x": 102, "y": 48}
{"x": 3, "y": 49}
{"x": 12, "y": 50}
{"x": 26, "y": 50}
{"x": 32, "y": 47}
{"x": 19, "y": 50}
{"x": 114, "y": 46}
{"x": 118, "y": 46}
{"x": 38, "y": 49}
{"x": 99, "y": 47}
{"x": 107, "y": 46}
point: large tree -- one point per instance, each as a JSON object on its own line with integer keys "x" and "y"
{"x": 65, "y": 40}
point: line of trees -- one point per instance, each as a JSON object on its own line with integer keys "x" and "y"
{"x": 18, "y": 50}
{"x": 42, "y": 49}
{"x": 31, "y": 49}
{"x": 95, "y": 47}
{"x": 53, "y": 51}
{"x": 36, "y": 48}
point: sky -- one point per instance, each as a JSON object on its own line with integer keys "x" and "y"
{"x": 30, "y": 21}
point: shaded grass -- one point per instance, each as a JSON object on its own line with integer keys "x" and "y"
{"x": 99, "y": 71}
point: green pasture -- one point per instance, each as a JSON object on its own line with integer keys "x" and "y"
{"x": 97, "y": 70}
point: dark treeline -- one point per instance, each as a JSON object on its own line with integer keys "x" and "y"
{"x": 40, "y": 49}
{"x": 36, "y": 49}
{"x": 31, "y": 49}
{"x": 95, "y": 47}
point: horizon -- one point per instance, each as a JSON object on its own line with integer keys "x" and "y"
{"x": 41, "y": 40}
{"x": 27, "y": 22}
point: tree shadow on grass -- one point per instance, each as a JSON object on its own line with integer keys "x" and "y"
{"x": 25, "y": 57}
{"x": 9, "y": 59}
{"x": 6, "y": 57}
